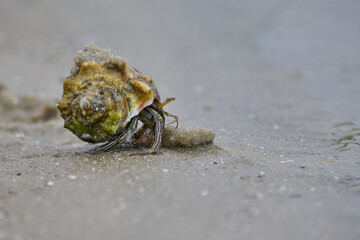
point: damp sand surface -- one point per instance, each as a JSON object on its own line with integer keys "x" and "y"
{"x": 278, "y": 88}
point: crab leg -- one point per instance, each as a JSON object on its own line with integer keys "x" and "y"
{"x": 124, "y": 136}
{"x": 158, "y": 128}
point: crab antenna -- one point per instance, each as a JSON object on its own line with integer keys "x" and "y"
{"x": 176, "y": 119}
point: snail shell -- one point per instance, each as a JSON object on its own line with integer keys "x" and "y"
{"x": 102, "y": 94}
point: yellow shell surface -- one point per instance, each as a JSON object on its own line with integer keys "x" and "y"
{"x": 103, "y": 94}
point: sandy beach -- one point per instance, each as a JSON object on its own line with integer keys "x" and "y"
{"x": 276, "y": 81}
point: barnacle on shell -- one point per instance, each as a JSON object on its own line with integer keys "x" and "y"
{"x": 102, "y": 94}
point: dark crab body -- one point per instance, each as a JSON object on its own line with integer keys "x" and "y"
{"x": 104, "y": 99}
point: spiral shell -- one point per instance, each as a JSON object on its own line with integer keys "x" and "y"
{"x": 102, "y": 94}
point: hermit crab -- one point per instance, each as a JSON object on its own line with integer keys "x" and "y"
{"x": 104, "y": 99}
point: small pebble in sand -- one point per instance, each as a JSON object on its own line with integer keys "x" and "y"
{"x": 72, "y": 177}
{"x": 49, "y": 183}
{"x": 204, "y": 193}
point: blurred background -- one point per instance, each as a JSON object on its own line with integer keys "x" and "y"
{"x": 277, "y": 80}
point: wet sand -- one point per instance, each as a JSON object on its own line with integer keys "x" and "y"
{"x": 277, "y": 81}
